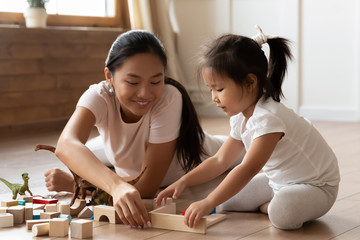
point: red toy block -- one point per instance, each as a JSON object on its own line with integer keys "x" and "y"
{"x": 44, "y": 200}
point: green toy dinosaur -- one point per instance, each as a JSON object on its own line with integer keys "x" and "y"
{"x": 18, "y": 188}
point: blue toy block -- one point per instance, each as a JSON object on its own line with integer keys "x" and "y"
{"x": 65, "y": 216}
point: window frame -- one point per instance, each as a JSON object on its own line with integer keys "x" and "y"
{"x": 121, "y": 18}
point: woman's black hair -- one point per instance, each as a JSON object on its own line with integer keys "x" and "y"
{"x": 237, "y": 56}
{"x": 133, "y": 42}
{"x": 189, "y": 145}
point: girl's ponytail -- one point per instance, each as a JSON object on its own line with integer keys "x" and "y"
{"x": 279, "y": 54}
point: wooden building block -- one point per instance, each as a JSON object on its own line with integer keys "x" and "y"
{"x": 9, "y": 203}
{"x": 19, "y": 214}
{"x": 21, "y": 202}
{"x": 28, "y": 213}
{"x": 49, "y": 215}
{"x": 40, "y": 229}
{"x": 64, "y": 208}
{"x": 59, "y": 227}
{"x": 81, "y": 228}
{"x": 28, "y": 199}
{"x": 51, "y": 207}
{"x": 31, "y": 223}
{"x": 168, "y": 202}
{"x": 36, "y": 213}
{"x": 104, "y": 213}
{"x": 166, "y": 218}
{"x": 44, "y": 200}
{"x": 28, "y": 204}
{"x": 175, "y": 222}
{"x": 68, "y": 217}
{"x": 214, "y": 218}
{"x": 38, "y": 206}
{"x": 78, "y": 205}
{"x": 85, "y": 213}
{"x": 3, "y": 209}
{"x": 6, "y": 220}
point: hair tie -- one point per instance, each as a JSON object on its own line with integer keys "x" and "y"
{"x": 260, "y": 38}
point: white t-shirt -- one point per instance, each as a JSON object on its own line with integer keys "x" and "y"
{"x": 301, "y": 156}
{"x": 125, "y": 144}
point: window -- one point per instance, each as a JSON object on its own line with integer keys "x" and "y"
{"x": 104, "y": 13}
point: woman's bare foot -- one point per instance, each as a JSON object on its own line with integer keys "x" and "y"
{"x": 59, "y": 180}
{"x": 264, "y": 208}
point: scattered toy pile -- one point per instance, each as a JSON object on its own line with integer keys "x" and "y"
{"x": 48, "y": 216}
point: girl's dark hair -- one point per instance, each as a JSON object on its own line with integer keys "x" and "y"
{"x": 189, "y": 145}
{"x": 237, "y": 56}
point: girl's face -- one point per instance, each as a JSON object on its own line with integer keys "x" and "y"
{"x": 139, "y": 85}
{"x": 228, "y": 95}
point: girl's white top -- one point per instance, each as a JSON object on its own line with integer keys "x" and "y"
{"x": 301, "y": 156}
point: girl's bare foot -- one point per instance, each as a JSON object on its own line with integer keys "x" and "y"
{"x": 264, "y": 208}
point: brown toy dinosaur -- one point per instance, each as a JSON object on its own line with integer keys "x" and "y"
{"x": 81, "y": 186}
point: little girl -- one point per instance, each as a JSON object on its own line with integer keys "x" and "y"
{"x": 300, "y": 176}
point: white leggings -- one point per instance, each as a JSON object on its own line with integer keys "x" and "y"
{"x": 289, "y": 207}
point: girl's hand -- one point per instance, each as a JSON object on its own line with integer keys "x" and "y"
{"x": 129, "y": 206}
{"x": 196, "y": 211}
{"x": 174, "y": 189}
{"x": 59, "y": 180}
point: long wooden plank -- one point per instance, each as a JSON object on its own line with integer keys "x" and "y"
{"x": 175, "y": 222}
{"x": 214, "y": 218}
{"x": 165, "y": 217}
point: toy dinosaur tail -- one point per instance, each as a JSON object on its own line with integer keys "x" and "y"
{"x": 45, "y": 147}
{"x": 8, "y": 184}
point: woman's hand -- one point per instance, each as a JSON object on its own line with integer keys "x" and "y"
{"x": 59, "y": 180}
{"x": 196, "y": 211}
{"x": 174, "y": 189}
{"x": 129, "y": 206}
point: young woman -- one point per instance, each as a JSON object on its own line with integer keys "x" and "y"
{"x": 301, "y": 174}
{"x": 145, "y": 120}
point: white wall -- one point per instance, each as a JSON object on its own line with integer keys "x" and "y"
{"x": 330, "y": 59}
{"x": 323, "y": 81}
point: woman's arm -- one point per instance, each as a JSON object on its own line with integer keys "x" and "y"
{"x": 157, "y": 160}
{"x": 256, "y": 157}
{"x": 71, "y": 150}
{"x": 207, "y": 170}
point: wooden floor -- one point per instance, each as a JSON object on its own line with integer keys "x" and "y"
{"x": 342, "y": 222}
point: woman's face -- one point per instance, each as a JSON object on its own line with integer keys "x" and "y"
{"x": 139, "y": 84}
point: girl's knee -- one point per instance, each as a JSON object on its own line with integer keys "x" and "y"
{"x": 284, "y": 214}
{"x": 284, "y": 219}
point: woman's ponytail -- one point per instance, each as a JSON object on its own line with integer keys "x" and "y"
{"x": 189, "y": 145}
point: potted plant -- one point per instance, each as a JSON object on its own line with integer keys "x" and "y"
{"x": 35, "y": 15}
